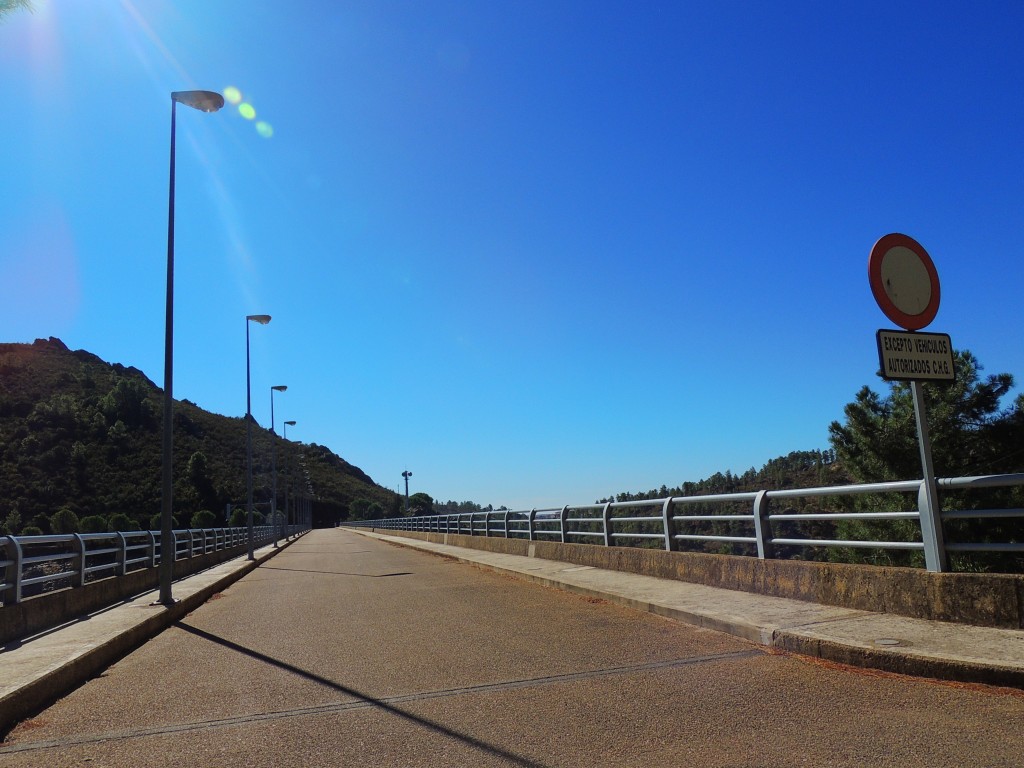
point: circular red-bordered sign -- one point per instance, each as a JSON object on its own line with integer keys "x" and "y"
{"x": 904, "y": 281}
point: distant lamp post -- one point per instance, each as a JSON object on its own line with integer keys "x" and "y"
{"x": 407, "y": 474}
{"x": 273, "y": 464}
{"x": 204, "y": 101}
{"x": 262, "y": 320}
{"x": 286, "y": 518}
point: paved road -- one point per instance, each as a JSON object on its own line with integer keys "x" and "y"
{"x": 348, "y": 651}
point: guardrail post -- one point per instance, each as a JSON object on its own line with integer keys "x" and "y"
{"x": 13, "y": 576}
{"x": 507, "y": 511}
{"x": 5, "y": 572}
{"x": 79, "y": 580}
{"x": 562, "y": 517}
{"x": 666, "y": 520}
{"x": 606, "y": 519}
{"x": 151, "y": 549}
{"x": 762, "y": 527}
{"x": 122, "y": 555}
{"x": 529, "y": 526}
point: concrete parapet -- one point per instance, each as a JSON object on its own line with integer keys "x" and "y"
{"x": 39, "y": 613}
{"x": 985, "y": 600}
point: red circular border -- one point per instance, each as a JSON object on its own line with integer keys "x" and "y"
{"x": 902, "y": 319}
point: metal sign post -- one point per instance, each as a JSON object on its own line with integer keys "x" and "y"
{"x": 928, "y": 497}
{"x": 906, "y": 286}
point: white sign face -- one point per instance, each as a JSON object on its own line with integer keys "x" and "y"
{"x": 915, "y": 356}
{"x": 906, "y": 280}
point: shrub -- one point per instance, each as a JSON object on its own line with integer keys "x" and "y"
{"x": 119, "y": 521}
{"x": 93, "y": 524}
{"x": 204, "y": 518}
{"x": 64, "y": 521}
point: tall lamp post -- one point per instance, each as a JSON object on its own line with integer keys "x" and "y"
{"x": 286, "y": 425}
{"x": 262, "y": 320}
{"x": 204, "y": 101}
{"x": 273, "y": 463}
{"x": 407, "y": 474}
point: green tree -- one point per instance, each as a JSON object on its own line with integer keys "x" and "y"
{"x": 421, "y": 504}
{"x": 128, "y": 402}
{"x": 970, "y": 434}
{"x": 93, "y": 524}
{"x": 878, "y": 442}
{"x": 11, "y": 524}
{"x": 204, "y": 518}
{"x": 358, "y": 509}
{"x": 199, "y": 477}
{"x": 64, "y": 520}
{"x": 119, "y": 521}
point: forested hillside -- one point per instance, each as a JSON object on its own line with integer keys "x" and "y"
{"x": 80, "y": 448}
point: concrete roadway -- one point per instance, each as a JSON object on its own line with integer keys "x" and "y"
{"x": 348, "y": 651}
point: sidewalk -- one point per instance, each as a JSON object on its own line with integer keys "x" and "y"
{"x": 875, "y": 640}
{"x": 39, "y": 669}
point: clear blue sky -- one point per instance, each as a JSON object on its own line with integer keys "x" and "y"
{"x": 535, "y": 252}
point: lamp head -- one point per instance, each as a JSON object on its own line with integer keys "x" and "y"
{"x": 280, "y": 388}
{"x": 290, "y": 423}
{"x": 261, "y": 319}
{"x": 204, "y": 101}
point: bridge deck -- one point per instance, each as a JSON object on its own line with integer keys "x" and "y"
{"x": 344, "y": 650}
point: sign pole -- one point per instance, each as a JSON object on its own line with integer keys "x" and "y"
{"x": 905, "y": 284}
{"x": 928, "y": 497}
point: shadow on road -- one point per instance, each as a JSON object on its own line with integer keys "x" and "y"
{"x": 383, "y": 705}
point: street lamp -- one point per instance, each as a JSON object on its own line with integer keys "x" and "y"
{"x": 262, "y": 320}
{"x": 286, "y": 425}
{"x": 204, "y": 101}
{"x": 407, "y": 474}
{"x": 273, "y": 462}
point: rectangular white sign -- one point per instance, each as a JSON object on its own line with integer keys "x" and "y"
{"x": 907, "y": 356}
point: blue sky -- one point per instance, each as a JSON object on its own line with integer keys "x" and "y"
{"x": 535, "y": 252}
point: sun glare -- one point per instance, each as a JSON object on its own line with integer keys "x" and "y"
{"x": 233, "y": 95}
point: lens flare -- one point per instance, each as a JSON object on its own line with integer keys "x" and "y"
{"x": 233, "y": 96}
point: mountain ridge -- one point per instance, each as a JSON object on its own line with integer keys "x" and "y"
{"x": 82, "y": 434}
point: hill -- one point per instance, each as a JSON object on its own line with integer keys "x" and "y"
{"x": 81, "y": 434}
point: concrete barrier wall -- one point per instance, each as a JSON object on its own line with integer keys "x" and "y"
{"x": 37, "y": 614}
{"x": 989, "y": 600}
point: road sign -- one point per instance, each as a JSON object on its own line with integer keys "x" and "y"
{"x": 915, "y": 356}
{"x": 904, "y": 281}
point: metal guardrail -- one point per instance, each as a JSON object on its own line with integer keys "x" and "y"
{"x": 667, "y": 522}
{"x": 33, "y": 565}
